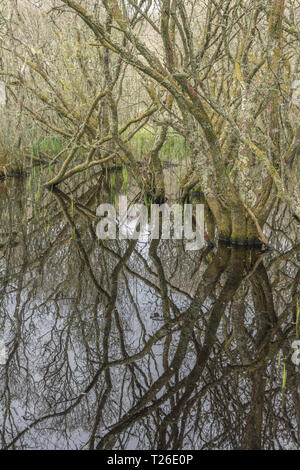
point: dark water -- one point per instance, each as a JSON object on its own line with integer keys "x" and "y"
{"x": 124, "y": 345}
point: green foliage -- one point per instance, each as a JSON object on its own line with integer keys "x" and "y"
{"x": 50, "y": 146}
{"x": 173, "y": 149}
{"x": 125, "y": 178}
{"x": 284, "y": 376}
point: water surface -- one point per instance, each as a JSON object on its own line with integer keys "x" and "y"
{"x": 136, "y": 345}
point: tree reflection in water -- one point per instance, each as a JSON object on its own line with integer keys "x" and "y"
{"x": 124, "y": 345}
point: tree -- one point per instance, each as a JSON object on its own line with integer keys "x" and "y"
{"x": 222, "y": 75}
{"x": 229, "y": 78}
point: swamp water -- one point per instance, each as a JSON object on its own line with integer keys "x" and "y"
{"x": 125, "y": 345}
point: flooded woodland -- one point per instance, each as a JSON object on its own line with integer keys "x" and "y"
{"x": 140, "y": 344}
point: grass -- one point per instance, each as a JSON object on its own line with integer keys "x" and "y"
{"x": 125, "y": 178}
{"x": 173, "y": 149}
{"x": 12, "y": 161}
{"x": 284, "y": 376}
{"x": 49, "y": 145}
